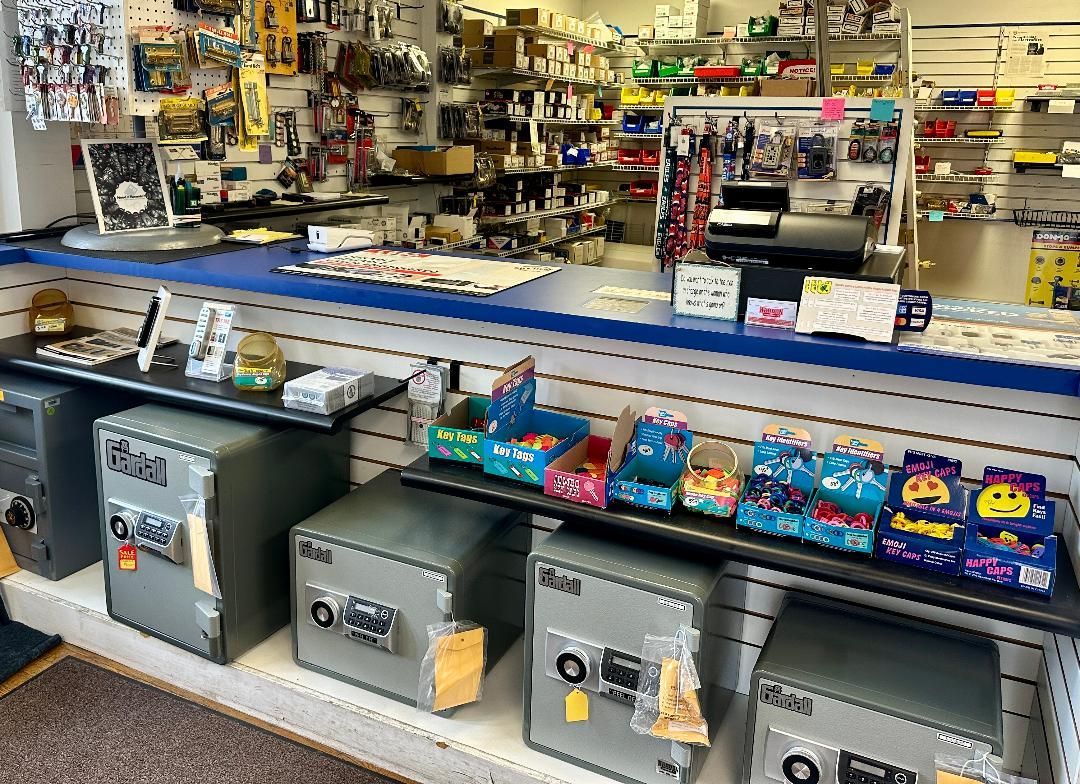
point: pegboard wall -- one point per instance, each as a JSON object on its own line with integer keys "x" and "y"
{"x": 808, "y": 195}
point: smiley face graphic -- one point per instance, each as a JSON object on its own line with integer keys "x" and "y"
{"x": 1001, "y": 500}
{"x": 925, "y": 491}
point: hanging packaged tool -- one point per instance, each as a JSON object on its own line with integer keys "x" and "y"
{"x": 215, "y": 47}
{"x": 451, "y": 18}
{"x": 181, "y": 120}
{"x": 816, "y": 150}
{"x": 455, "y": 65}
{"x": 412, "y": 115}
{"x": 308, "y": 11}
{"x": 380, "y": 19}
{"x": 353, "y": 16}
{"x": 292, "y": 136}
{"x": 333, "y": 14}
{"x": 251, "y": 80}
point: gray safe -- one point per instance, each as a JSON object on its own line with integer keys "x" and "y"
{"x": 257, "y": 482}
{"x": 590, "y": 602}
{"x": 374, "y": 569}
{"x": 846, "y": 695}
{"x": 47, "y": 482}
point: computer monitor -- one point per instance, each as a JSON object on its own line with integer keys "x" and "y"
{"x": 755, "y": 195}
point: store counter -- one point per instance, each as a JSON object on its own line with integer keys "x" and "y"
{"x": 560, "y": 303}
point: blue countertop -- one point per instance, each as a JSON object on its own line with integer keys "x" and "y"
{"x": 557, "y": 303}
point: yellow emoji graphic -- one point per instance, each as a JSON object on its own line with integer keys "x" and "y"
{"x": 925, "y": 491}
{"x": 1001, "y": 500}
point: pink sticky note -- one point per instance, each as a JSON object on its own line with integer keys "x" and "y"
{"x": 569, "y": 92}
{"x": 832, "y": 108}
{"x": 570, "y": 47}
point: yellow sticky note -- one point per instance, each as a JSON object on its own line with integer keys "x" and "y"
{"x": 7, "y": 560}
{"x": 459, "y": 668}
{"x": 577, "y": 706}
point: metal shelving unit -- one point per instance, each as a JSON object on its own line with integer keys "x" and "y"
{"x": 956, "y": 177}
{"x": 524, "y": 216}
{"x": 959, "y": 216}
{"x": 957, "y": 140}
{"x": 522, "y": 74}
{"x": 635, "y": 168}
{"x": 548, "y": 243}
{"x": 640, "y": 108}
{"x": 644, "y": 137}
{"x": 538, "y": 169}
{"x": 929, "y": 108}
{"x": 546, "y": 121}
{"x": 562, "y": 35}
{"x": 649, "y": 44}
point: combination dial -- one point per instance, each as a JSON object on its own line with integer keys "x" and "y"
{"x": 20, "y": 513}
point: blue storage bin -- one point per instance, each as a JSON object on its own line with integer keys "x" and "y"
{"x": 655, "y": 126}
{"x": 968, "y": 97}
{"x": 950, "y": 97}
{"x": 633, "y": 123}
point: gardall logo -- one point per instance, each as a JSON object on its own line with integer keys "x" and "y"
{"x": 139, "y": 465}
{"x": 321, "y": 554}
{"x": 774, "y": 695}
{"x": 546, "y": 577}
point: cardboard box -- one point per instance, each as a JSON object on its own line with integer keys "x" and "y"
{"x": 506, "y": 43}
{"x": 558, "y": 21}
{"x": 451, "y": 160}
{"x": 565, "y": 478}
{"x": 459, "y": 433}
{"x": 539, "y": 64}
{"x": 645, "y": 32}
{"x": 512, "y": 415}
{"x": 854, "y": 478}
{"x": 667, "y": 10}
{"x": 498, "y": 147}
{"x": 409, "y": 158}
{"x": 536, "y": 17}
{"x": 477, "y": 27}
{"x": 504, "y": 59}
{"x": 787, "y": 88}
{"x": 649, "y": 476}
{"x": 786, "y": 454}
{"x": 546, "y": 51}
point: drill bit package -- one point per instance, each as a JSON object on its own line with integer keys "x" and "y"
{"x": 452, "y": 671}
{"x": 667, "y": 704}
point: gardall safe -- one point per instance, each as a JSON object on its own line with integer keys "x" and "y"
{"x": 832, "y": 702}
{"x": 590, "y": 602}
{"x": 255, "y": 481}
{"x": 47, "y": 472}
{"x": 374, "y": 569}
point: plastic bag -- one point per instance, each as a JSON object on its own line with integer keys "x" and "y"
{"x": 200, "y": 550}
{"x": 452, "y": 671}
{"x": 667, "y": 703}
{"x": 981, "y": 768}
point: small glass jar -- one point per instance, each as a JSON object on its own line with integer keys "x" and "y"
{"x": 260, "y": 365}
{"x": 711, "y": 482}
{"x": 51, "y": 313}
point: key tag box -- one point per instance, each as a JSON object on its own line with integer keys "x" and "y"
{"x": 513, "y": 415}
{"x": 784, "y": 454}
{"x": 1010, "y": 536}
{"x": 581, "y": 475}
{"x": 655, "y": 458}
{"x": 925, "y": 497}
{"x": 206, "y": 354}
{"x": 459, "y": 433}
{"x": 853, "y": 479}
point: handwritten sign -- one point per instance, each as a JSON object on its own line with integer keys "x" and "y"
{"x": 707, "y": 291}
{"x": 832, "y": 108}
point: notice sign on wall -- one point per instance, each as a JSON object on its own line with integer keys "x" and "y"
{"x": 1025, "y": 56}
{"x": 707, "y": 291}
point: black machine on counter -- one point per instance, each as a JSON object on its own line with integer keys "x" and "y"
{"x": 777, "y": 249}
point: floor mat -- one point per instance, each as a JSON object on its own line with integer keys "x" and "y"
{"x": 88, "y": 725}
{"x": 20, "y": 645}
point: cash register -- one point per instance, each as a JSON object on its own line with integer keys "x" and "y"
{"x": 777, "y": 249}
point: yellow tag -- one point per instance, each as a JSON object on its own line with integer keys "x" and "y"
{"x": 459, "y": 668}
{"x": 1, "y": 396}
{"x": 577, "y": 706}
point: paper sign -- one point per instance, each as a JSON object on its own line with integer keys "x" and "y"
{"x": 569, "y": 93}
{"x": 771, "y": 313}
{"x": 832, "y": 109}
{"x": 1071, "y": 170}
{"x": 1061, "y": 106}
{"x": 577, "y": 706}
{"x": 857, "y": 308}
{"x": 937, "y": 216}
{"x": 570, "y": 47}
{"x": 882, "y": 109}
{"x": 914, "y": 310}
{"x": 707, "y": 291}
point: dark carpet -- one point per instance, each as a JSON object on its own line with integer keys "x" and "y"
{"x": 20, "y": 645}
{"x": 77, "y": 723}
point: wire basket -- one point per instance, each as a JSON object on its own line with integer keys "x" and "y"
{"x": 1050, "y": 219}
{"x": 615, "y": 231}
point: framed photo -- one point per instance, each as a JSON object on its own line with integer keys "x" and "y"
{"x": 127, "y": 184}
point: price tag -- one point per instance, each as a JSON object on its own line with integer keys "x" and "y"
{"x": 937, "y": 216}
{"x": 577, "y": 706}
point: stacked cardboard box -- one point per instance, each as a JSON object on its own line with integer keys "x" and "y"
{"x": 845, "y": 16}
{"x": 691, "y": 20}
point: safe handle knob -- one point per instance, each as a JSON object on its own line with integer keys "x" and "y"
{"x": 122, "y": 524}
{"x": 573, "y": 665}
{"x": 801, "y": 766}
{"x": 325, "y": 612}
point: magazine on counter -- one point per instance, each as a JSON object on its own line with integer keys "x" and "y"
{"x": 99, "y": 347}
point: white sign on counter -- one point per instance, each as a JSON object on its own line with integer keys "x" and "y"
{"x": 858, "y": 308}
{"x": 707, "y": 291}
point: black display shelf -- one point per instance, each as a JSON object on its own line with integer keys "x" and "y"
{"x": 246, "y": 212}
{"x": 1059, "y": 614}
{"x": 170, "y": 385}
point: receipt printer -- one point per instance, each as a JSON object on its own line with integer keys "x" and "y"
{"x": 47, "y": 482}
{"x": 799, "y": 240}
{"x": 834, "y": 698}
{"x": 590, "y": 603}
{"x": 373, "y": 570}
{"x": 196, "y": 512}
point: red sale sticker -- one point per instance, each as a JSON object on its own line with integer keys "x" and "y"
{"x": 127, "y": 558}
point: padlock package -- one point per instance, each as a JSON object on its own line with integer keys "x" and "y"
{"x": 816, "y": 150}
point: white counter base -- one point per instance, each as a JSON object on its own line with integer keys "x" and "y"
{"x": 481, "y": 744}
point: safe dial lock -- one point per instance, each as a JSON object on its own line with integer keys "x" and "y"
{"x": 20, "y": 513}
{"x": 573, "y": 665}
{"x": 122, "y": 525}
{"x": 801, "y": 766}
{"x": 324, "y": 612}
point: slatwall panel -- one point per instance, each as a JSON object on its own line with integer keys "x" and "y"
{"x": 968, "y": 57}
{"x": 724, "y": 396}
{"x": 18, "y": 282}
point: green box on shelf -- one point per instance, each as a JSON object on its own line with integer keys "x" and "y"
{"x": 762, "y": 25}
{"x": 667, "y": 68}
{"x": 643, "y": 69}
{"x": 455, "y": 435}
